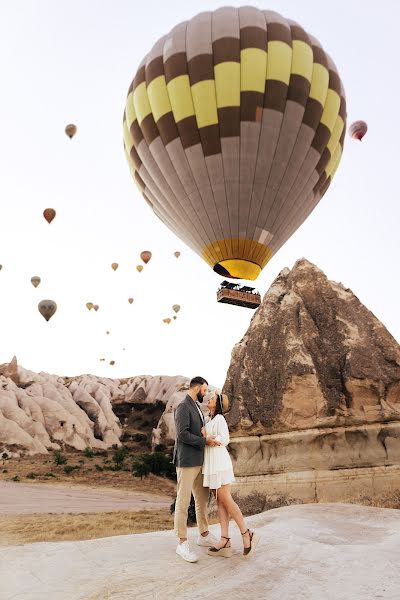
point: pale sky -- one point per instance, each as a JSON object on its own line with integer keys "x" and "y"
{"x": 73, "y": 61}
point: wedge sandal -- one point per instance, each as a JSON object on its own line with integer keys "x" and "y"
{"x": 225, "y": 551}
{"x": 254, "y": 539}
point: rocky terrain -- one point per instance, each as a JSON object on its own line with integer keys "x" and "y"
{"x": 40, "y": 412}
{"x": 315, "y": 393}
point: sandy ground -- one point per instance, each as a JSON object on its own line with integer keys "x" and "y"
{"x": 307, "y": 552}
{"x": 25, "y": 498}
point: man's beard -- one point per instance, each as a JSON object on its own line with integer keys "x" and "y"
{"x": 200, "y": 397}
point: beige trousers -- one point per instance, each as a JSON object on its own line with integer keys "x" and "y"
{"x": 190, "y": 480}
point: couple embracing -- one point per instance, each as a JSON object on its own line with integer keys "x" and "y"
{"x": 202, "y": 464}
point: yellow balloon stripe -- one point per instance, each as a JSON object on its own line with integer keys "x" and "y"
{"x": 227, "y": 84}
{"x": 336, "y": 133}
{"x": 333, "y": 160}
{"x": 253, "y": 70}
{"x": 302, "y": 59}
{"x": 279, "y": 61}
{"x": 205, "y": 103}
{"x": 180, "y": 97}
{"x": 141, "y": 102}
{"x": 319, "y": 83}
{"x": 128, "y": 139}
{"x": 331, "y": 109}
{"x": 158, "y": 97}
{"x": 130, "y": 110}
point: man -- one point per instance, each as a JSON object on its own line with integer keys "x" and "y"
{"x": 188, "y": 459}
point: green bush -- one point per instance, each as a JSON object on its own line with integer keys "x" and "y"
{"x": 4, "y": 456}
{"x": 15, "y": 478}
{"x": 88, "y": 452}
{"x": 5, "y": 470}
{"x": 69, "y": 468}
{"x": 59, "y": 458}
{"x": 49, "y": 474}
{"x": 99, "y": 468}
{"x": 156, "y": 463}
{"x": 120, "y": 454}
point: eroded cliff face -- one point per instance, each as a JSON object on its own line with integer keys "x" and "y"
{"x": 314, "y": 387}
{"x": 313, "y": 356}
{"x": 40, "y": 412}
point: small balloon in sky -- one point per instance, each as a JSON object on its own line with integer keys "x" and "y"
{"x": 130, "y": 300}
{"x": 107, "y": 332}
{"x": 112, "y": 362}
{"x": 70, "y": 130}
{"x": 176, "y": 308}
{"x": 96, "y": 307}
{"x": 102, "y": 359}
{"x": 139, "y": 268}
{"x": 35, "y": 280}
{"x": 145, "y": 256}
{"x": 167, "y": 320}
{"x": 177, "y": 254}
{"x": 49, "y": 214}
{"x": 1, "y": 266}
{"x": 47, "y": 308}
{"x": 358, "y": 129}
{"x": 114, "y": 266}
{"x": 89, "y": 305}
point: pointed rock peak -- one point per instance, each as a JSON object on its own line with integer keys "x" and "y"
{"x": 312, "y": 356}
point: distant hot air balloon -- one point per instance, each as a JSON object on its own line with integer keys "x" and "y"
{"x": 130, "y": 300}
{"x": 358, "y": 129}
{"x": 49, "y": 214}
{"x": 176, "y": 308}
{"x": 233, "y": 129}
{"x": 114, "y": 266}
{"x": 70, "y": 130}
{"x": 107, "y": 332}
{"x": 145, "y": 256}
{"x": 96, "y": 307}
{"x": 89, "y": 305}
{"x": 47, "y": 308}
{"x": 139, "y": 268}
{"x": 102, "y": 359}
{"x": 177, "y": 254}
{"x": 1, "y": 266}
{"x": 112, "y": 362}
{"x": 174, "y": 317}
{"x": 168, "y": 320}
{"x": 35, "y": 280}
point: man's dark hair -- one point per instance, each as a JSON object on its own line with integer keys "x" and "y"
{"x": 197, "y": 381}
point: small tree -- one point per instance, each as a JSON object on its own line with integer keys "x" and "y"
{"x": 119, "y": 455}
{"x": 88, "y": 452}
{"x": 140, "y": 468}
{"x": 59, "y": 458}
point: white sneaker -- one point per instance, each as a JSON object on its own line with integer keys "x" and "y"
{"x": 184, "y": 551}
{"x": 207, "y": 540}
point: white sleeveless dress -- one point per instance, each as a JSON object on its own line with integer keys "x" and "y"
{"x": 217, "y": 466}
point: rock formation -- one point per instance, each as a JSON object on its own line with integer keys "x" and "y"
{"x": 315, "y": 392}
{"x": 41, "y": 412}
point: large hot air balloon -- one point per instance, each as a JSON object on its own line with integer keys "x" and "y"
{"x": 130, "y": 300}
{"x": 358, "y": 129}
{"x": 35, "y": 280}
{"x": 177, "y": 254}
{"x": 176, "y": 308}
{"x": 233, "y": 129}
{"x": 49, "y": 214}
{"x": 114, "y": 266}
{"x": 139, "y": 268}
{"x": 47, "y": 308}
{"x": 145, "y": 256}
{"x": 70, "y": 130}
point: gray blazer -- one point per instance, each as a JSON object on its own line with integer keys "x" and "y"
{"x": 189, "y": 444}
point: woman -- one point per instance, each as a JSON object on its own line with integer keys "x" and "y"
{"x": 218, "y": 476}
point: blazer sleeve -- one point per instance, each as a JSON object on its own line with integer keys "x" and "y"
{"x": 182, "y": 424}
{"x": 222, "y": 431}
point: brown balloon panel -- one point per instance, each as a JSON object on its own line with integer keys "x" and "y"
{"x": 233, "y": 128}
